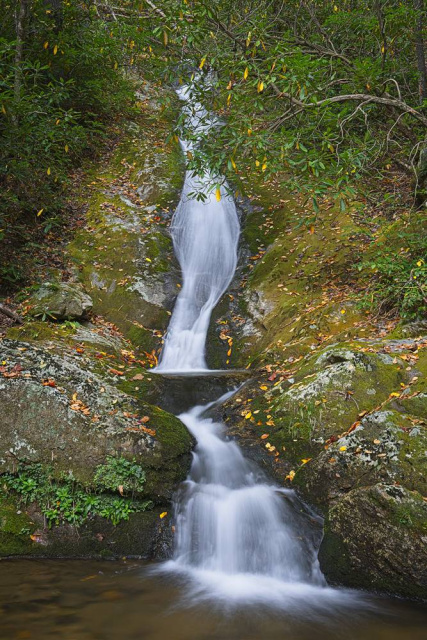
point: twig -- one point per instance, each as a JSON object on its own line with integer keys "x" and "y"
{"x": 10, "y": 314}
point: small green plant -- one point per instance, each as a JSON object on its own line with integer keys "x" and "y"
{"x": 398, "y": 277}
{"x": 67, "y": 501}
{"x": 119, "y": 472}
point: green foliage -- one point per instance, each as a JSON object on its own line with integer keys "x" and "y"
{"x": 396, "y": 276}
{"x": 67, "y": 501}
{"x": 74, "y": 79}
{"x": 287, "y": 77}
{"x": 119, "y": 472}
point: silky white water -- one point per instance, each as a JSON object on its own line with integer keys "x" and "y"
{"x": 205, "y": 237}
{"x": 237, "y": 537}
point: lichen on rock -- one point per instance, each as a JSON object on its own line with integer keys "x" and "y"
{"x": 61, "y": 301}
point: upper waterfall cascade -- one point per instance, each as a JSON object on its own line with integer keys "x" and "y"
{"x": 205, "y": 237}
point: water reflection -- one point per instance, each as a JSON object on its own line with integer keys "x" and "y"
{"x": 82, "y": 600}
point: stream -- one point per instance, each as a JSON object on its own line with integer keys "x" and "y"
{"x": 245, "y": 560}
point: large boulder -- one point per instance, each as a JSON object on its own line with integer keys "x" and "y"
{"x": 67, "y": 427}
{"x": 385, "y": 447}
{"x": 61, "y": 301}
{"x": 376, "y": 538}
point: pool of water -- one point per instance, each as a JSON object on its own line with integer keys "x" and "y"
{"x": 128, "y": 600}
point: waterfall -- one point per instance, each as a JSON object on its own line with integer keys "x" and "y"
{"x": 229, "y": 520}
{"x": 205, "y": 236}
{"x": 237, "y": 535}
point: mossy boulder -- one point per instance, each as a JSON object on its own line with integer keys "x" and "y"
{"x": 376, "y": 538}
{"x": 23, "y": 532}
{"x": 55, "y": 412}
{"x": 386, "y": 446}
{"x": 60, "y": 301}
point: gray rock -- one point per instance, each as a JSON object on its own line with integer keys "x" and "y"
{"x": 376, "y": 538}
{"x": 61, "y": 301}
{"x": 53, "y": 412}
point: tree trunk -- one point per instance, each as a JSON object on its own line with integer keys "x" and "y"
{"x": 419, "y": 48}
{"x": 19, "y": 52}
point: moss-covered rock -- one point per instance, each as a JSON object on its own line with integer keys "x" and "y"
{"x": 23, "y": 532}
{"x": 60, "y": 301}
{"x": 55, "y": 412}
{"x": 124, "y": 255}
{"x": 385, "y": 447}
{"x": 376, "y": 538}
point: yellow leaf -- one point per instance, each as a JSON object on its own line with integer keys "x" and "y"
{"x": 228, "y": 99}
{"x": 343, "y": 311}
{"x": 419, "y": 263}
{"x": 263, "y": 387}
{"x": 264, "y": 436}
{"x": 202, "y": 62}
{"x": 264, "y": 166}
{"x": 218, "y": 194}
{"x": 305, "y": 460}
{"x": 116, "y": 65}
{"x": 48, "y": 171}
{"x": 246, "y": 73}
{"x": 291, "y": 475}
{"x": 165, "y": 38}
{"x": 395, "y": 394}
{"x": 343, "y": 448}
{"x": 66, "y": 148}
{"x": 148, "y": 259}
{"x": 55, "y": 50}
{"x": 260, "y": 86}
{"x": 248, "y": 415}
{"x": 163, "y": 515}
{"x": 257, "y": 163}
{"x": 249, "y": 132}
{"x": 46, "y": 44}
{"x": 40, "y": 212}
{"x": 3, "y": 109}
{"x": 233, "y": 164}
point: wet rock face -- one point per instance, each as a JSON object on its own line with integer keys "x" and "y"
{"x": 376, "y": 538}
{"x": 61, "y": 301}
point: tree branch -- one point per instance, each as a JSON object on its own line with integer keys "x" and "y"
{"x": 10, "y": 314}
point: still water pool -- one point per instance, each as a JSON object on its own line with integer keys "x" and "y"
{"x": 85, "y": 600}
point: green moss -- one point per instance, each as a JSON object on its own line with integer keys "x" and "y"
{"x": 38, "y": 331}
{"x": 172, "y": 434}
{"x": 15, "y": 529}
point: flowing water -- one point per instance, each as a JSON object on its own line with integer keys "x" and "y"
{"x": 205, "y": 236}
{"x": 245, "y": 562}
{"x": 237, "y": 536}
